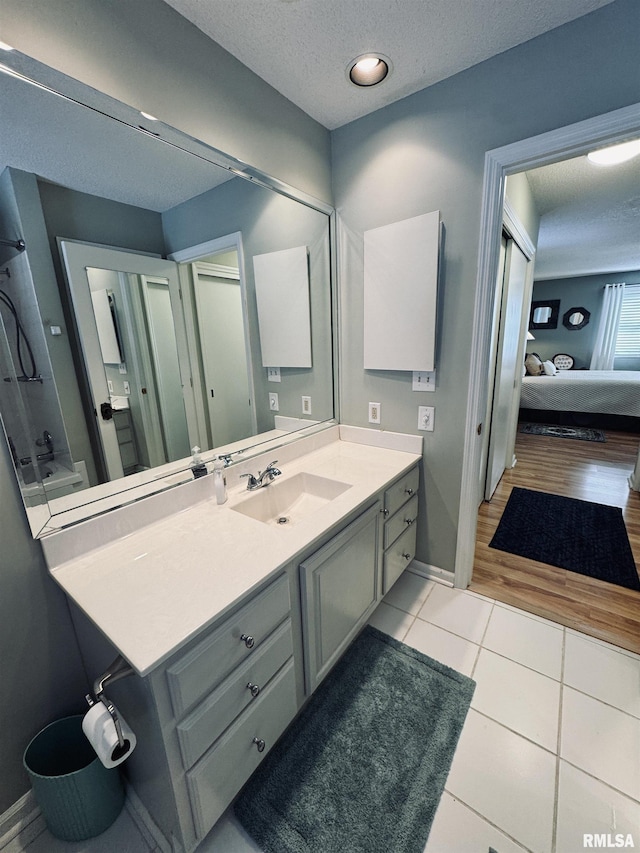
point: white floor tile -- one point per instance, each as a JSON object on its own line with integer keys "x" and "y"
{"x": 391, "y": 620}
{"x": 603, "y": 672}
{"x": 228, "y": 836}
{"x": 530, "y": 642}
{"x": 456, "y": 829}
{"x": 409, "y": 592}
{"x": 457, "y": 611}
{"x": 588, "y": 806}
{"x": 602, "y": 741}
{"x": 442, "y": 646}
{"x": 517, "y": 697}
{"x": 507, "y": 779}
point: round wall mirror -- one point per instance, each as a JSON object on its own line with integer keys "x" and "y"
{"x": 575, "y": 318}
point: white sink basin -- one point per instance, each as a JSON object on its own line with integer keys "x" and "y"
{"x": 285, "y": 502}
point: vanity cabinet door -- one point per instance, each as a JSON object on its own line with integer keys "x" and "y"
{"x": 339, "y": 589}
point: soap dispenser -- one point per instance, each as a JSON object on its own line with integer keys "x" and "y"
{"x": 198, "y": 468}
{"x": 219, "y": 485}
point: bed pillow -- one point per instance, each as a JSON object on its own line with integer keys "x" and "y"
{"x": 533, "y": 364}
{"x": 549, "y": 368}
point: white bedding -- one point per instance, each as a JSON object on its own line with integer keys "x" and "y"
{"x": 607, "y": 392}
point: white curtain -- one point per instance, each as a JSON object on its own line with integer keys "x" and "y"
{"x": 604, "y": 349}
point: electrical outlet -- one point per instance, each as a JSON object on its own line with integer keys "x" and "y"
{"x": 306, "y": 405}
{"x": 122, "y": 368}
{"x": 426, "y": 417}
{"x": 110, "y": 386}
{"x": 424, "y": 380}
{"x": 274, "y": 405}
{"x": 374, "y": 413}
{"x": 273, "y": 374}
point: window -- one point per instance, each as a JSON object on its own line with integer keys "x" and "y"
{"x": 628, "y": 340}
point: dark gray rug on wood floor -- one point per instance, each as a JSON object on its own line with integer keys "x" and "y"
{"x": 363, "y": 767}
{"x": 581, "y": 433}
{"x": 580, "y": 536}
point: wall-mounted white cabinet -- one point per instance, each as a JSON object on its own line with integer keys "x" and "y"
{"x": 400, "y": 294}
{"x": 282, "y": 298}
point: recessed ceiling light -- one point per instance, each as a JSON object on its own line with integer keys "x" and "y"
{"x": 368, "y": 69}
{"x": 5, "y": 46}
{"x": 615, "y": 154}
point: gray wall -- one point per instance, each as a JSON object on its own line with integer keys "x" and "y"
{"x": 582, "y": 291}
{"x": 149, "y": 57}
{"x": 426, "y": 153}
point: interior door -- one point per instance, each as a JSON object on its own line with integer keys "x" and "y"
{"x": 508, "y": 374}
{"x": 81, "y": 261}
{"x": 223, "y": 345}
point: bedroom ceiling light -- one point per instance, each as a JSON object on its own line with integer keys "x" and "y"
{"x": 614, "y": 154}
{"x": 368, "y": 69}
{"x": 148, "y": 116}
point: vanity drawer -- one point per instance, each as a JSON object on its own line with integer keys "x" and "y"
{"x": 398, "y": 523}
{"x": 220, "y": 774}
{"x": 401, "y": 491}
{"x": 203, "y": 726}
{"x": 398, "y": 557}
{"x": 204, "y": 667}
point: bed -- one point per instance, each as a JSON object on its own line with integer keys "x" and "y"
{"x": 607, "y": 392}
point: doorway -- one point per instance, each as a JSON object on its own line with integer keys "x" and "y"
{"x": 537, "y": 151}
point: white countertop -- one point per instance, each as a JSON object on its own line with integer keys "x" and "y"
{"x": 155, "y": 588}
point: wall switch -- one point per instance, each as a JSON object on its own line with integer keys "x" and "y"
{"x": 424, "y": 380}
{"x": 55, "y": 330}
{"x": 127, "y": 387}
{"x": 374, "y": 413}
{"x": 306, "y": 405}
{"x": 426, "y": 417}
{"x": 273, "y": 374}
{"x": 274, "y": 405}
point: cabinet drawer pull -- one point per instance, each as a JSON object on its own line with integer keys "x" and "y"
{"x": 409, "y": 521}
{"x": 260, "y": 744}
{"x": 407, "y": 556}
{"x": 408, "y": 491}
{"x": 254, "y": 688}
{"x": 248, "y": 641}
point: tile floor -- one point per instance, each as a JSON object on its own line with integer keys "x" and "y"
{"x": 550, "y": 749}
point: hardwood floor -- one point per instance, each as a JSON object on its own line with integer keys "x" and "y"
{"x": 587, "y": 470}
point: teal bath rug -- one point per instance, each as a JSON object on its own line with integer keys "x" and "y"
{"x": 363, "y": 767}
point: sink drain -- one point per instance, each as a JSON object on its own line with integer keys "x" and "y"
{"x": 284, "y": 519}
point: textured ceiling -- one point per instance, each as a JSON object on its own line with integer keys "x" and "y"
{"x": 590, "y": 218}
{"x": 302, "y": 47}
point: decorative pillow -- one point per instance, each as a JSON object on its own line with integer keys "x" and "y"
{"x": 549, "y": 368}
{"x": 533, "y": 364}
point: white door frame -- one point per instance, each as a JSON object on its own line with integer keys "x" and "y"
{"x": 551, "y": 147}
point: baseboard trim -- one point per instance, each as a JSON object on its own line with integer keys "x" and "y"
{"x": 20, "y": 824}
{"x": 433, "y": 573}
{"x": 146, "y": 825}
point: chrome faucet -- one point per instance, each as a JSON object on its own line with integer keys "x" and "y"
{"x": 263, "y": 479}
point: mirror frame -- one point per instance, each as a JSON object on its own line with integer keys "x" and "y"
{"x": 100, "y": 499}
{"x": 575, "y": 327}
{"x": 552, "y": 322}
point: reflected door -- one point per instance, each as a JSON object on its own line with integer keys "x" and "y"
{"x": 218, "y": 298}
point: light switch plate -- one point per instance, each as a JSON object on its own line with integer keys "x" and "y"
{"x": 274, "y": 405}
{"x": 273, "y": 374}
{"x": 424, "y": 380}
{"x": 426, "y": 417}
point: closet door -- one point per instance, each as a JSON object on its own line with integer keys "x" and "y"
{"x": 508, "y": 374}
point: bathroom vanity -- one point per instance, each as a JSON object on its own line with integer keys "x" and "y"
{"x": 231, "y": 615}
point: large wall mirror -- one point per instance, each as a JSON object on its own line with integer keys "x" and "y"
{"x": 129, "y": 325}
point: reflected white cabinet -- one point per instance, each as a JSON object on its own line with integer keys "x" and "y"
{"x": 400, "y": 294}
